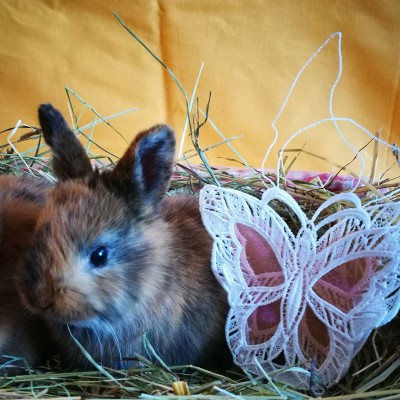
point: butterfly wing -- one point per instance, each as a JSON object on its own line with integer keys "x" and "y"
{"x": 354, "y": 282}
{"x": 251, "y": 244}
{"x": 356, "y": 267}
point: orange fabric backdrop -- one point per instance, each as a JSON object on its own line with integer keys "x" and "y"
{"x": 252, "y": 51}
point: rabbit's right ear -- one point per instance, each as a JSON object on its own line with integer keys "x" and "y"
{"x": 69, "y": 157}
{"x": 144, "y": 172}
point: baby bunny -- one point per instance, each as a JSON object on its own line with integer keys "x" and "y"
{"x": 113, "y": 258}
{"x": 22, "y": 334}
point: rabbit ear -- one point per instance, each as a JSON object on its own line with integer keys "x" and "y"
{"x": 144, "y": 172}
{"x": 69, "y": 157}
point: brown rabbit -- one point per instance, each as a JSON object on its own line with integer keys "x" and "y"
{"x": 114, "y": 258}
{"x": 22, "y": 334}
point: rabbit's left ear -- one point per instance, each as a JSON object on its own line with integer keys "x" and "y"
{"x": 143, "y": 174}
{"x": 69, "y": 157}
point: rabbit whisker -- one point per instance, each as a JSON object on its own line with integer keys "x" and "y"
{"x": 100, "y": 344}
{"x": 115, "y": 338}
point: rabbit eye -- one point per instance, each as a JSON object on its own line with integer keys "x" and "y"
{"x": 99, "y": 257}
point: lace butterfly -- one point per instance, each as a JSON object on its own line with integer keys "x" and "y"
{"x": 313, "y": 292}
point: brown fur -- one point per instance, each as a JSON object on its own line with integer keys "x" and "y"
{"x": 21, "y": 333}
{"x": 156, "y": 279}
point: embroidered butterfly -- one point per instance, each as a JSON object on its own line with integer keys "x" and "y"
{"x": 306, "y": 288}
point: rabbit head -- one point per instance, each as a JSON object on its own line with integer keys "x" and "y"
{"x": 97, "y": 239}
